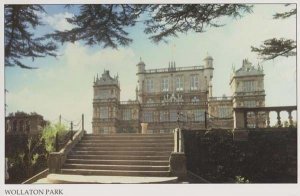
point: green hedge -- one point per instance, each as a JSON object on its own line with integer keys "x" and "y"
{"x": 267, "y": 156}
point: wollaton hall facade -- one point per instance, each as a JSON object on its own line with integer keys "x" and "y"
{"x": 174, "y": 96}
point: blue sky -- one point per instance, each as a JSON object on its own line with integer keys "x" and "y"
{"x": 63, "y": 85}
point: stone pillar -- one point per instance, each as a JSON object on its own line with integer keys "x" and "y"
{"x": 240, "y": 132}
{"x": 55, "y": 162}
{"x": 178, "y": 165}
{"x": 239, "y": 119}
{"x": 144, "y": 128}
{"x": 178, "y": 141}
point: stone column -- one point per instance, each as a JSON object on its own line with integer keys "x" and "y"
{"x": 239, "y": 119}
{"x": 178, "y": 165}
{"x": 240, "y": 132}
{"x": 144, "y": 127}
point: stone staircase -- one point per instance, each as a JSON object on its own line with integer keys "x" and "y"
{"x": 145, "y": 155}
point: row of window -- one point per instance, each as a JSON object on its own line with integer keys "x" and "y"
{"x": 225, "y": 112}
{"x": 250, "y": 104}
{"x": 197, "y": 115}
{"x": 179, "y": 83}
{"x": 172, "y": 116}
{"x": 103, "y": 112}
{"x": 104, "y": 94}
{"x": 248, "y": 86}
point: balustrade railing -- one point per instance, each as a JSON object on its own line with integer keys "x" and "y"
{"x": 129, "y": 102}
{"x": 249, "y": 93}
{"x": 229, "y": 98}
{"x": 173, "y": 69}
{"x": 259, "y": 117}
{"x": 156, "y": 104}
{"x": 63, "y": 137}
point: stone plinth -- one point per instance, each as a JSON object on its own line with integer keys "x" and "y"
{"x": 178, "y": 165}
{"x": 144, "y": 128}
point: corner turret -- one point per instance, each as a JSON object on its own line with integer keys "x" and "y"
{"x": 208, "y": 62}
{"x": 141, "y": 66}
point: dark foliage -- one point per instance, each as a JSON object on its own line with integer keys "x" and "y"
{"x": 273, "y": 48}
{"x": 169, "y": 20}
{"x": 267, "y": 157}
{"x": 19, "y": 38}
{"x": 104, "y": 24}
{"x": 101, "y": 24}
{"x": 285, "y": 15}
{"x": 20, "y": 157}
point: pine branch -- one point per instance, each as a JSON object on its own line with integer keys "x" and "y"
{"x": 101, "y": 24}
{"x": 287, "y": 14}
{"x": 273, "y": 48}
{"x": 20, "y": 20}
{"x": 169, "y": 20}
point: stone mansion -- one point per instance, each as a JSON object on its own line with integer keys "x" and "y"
{"x": 173, "y": 97}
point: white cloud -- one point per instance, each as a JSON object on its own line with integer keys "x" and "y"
{"x": 58, "y": 21}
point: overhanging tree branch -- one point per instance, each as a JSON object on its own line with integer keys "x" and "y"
{"x": 169, "y": 20}
{"x": 273, "y": 48}
{"x": 18, "y": 40}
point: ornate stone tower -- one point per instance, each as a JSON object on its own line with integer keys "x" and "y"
{"x": 106, "y": 104}
{"x": 141, "y": 80}
{"x": 208, "y": 74}
{"x": 247, "y": 85}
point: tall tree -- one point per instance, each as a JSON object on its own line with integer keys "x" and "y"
{"x": 169, "y": 20}
{"x": 19, "y": 38}
{"x": 101, "y": 24}
{"x": 273, "y": 48}
{"x": 105, "y": 24}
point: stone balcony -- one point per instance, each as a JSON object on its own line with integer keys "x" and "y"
{"x": 260, "y": 116}
{"x": 246, "y": 120}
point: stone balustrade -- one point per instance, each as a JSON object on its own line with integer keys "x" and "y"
{"x": 259, "y": 117}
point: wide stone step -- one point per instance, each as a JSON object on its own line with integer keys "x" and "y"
{"x": 132, "y": 141}
{"x": 71, "y": 179}
{"x": 119, "y": 157}
{"x": 116, "y": 167}
{"x": 127, "y": 148}
{"x": 114, "y": 172}
{"x": 117, "y": 162}
{"x": 115, "y": 144}
{"x": 127, "y": 153}
{"x": 117, "y": 137}
{"x": 130, "y": 134}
